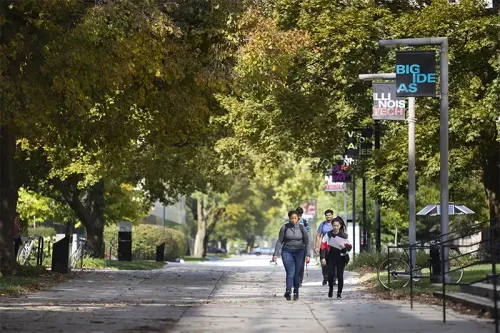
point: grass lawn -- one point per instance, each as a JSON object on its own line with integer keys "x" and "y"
{"x": 135, "y": 265}
{"x": 29, "y": 279}
{"x": 193, "y": 260}
{"x": 424, "y": 285}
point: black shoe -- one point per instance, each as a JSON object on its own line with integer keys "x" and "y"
{"x": 295, "y": 297}
{"x": 325, "y": 282}
{"x": 339, "y": 295}
{"x": 288, "y": 294}
{"x": 330, "y": 292}
{"x": 334, "y": 283}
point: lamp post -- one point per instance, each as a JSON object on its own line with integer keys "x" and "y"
{"x": 411, "y": 165}
{"x": 443, "y": 131}
{"x": 372, "y": 77}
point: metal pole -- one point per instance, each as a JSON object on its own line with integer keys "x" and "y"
{"x": 365, "y": 246}
{"x": 443, "y": 280}
{"x": 411, "y": 277}
{"x": 345, "y": 206}
{"x": 411, "y": 179}
{"x": 443, "y": 146}
{"x": 353, "y": 218}
{"x": 377, "y": 202}
{"x": 443, "y": 131}
{"x": 372, "y": 77}
{"x": 163, "y": 216}
{"x": 336, "y": 204}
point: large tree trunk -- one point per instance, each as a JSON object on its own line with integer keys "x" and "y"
{"x": 250, "y": 243}
{"x": 207, "y": 220}
{"x": 8, "y": 198}
{"x": 199, "y": 248}
{"x": 89, "y": 210}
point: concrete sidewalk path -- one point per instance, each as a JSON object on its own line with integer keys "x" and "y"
{"x": 244, "y": 294}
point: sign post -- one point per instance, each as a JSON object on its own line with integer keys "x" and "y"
{"x": 421, "y": 81}
{"x": 386, "y": 106}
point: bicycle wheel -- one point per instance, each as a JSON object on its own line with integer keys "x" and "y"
{"x": 399, "y": 271}
{"x": 456, "y": 270}
{"x": 22, "y": 257}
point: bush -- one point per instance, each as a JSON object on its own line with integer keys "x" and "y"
{"x": 45, "y": 232}
{"x": 145, "y": 238}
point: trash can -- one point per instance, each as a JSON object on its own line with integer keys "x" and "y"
{"x": 160, "y": 253}
{"x": 435, "y": 263}
{"x": 125, "y": 241}
{"x": 61, "y": 258}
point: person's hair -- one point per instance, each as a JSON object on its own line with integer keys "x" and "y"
{"x": 328, "y": 211}
{"x": 292, "y": 212}
{"x": 299, "y": 210}
{"x": 341, "y": 221}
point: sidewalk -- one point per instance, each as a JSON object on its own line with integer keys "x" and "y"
{"x": 243, "y": 295}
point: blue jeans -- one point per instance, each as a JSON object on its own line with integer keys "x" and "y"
{"x": 292, "y": 260}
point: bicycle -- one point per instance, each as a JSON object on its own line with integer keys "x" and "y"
{"x": 77, "y": 256}
{"x": 24, "y": 254}
{"x": 399, "y": 269}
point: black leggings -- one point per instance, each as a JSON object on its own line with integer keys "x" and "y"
{"x": 336, "y": 265}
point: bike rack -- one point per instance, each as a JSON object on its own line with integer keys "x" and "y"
{"x": 39, "y": 255}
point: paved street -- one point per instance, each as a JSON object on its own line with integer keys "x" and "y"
{"x": 243, "y": 294}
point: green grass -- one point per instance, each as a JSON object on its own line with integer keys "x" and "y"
{"x": 136, "y": 265}
{"x": 28, "y": 279}
{"x": 194, "y": 260}
{"x": 424, "y": 285}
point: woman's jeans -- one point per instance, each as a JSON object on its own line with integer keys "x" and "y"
{"x": 292, "y": 260}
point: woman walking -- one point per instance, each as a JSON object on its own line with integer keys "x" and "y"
{"x": 294, "y": 242}
{"x": 333, "y": 253}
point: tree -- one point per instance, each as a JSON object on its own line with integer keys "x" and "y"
{"x": 209, "y": 210}
{"x": 114, "y": 105}
{"x": 340, "y": 42}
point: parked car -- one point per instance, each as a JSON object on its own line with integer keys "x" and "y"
{"x": 211, "y": 249}
{"x": 262, "y": 250}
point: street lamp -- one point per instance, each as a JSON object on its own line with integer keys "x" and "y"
{"x": 411, "y": 163}
{"x": 443, "y": 131}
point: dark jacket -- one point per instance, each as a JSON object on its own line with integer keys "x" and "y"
{"x": 292, "y": 237}
{"x": 330, "y": 251}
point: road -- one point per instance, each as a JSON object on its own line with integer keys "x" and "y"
{"x": 242, "y": 294}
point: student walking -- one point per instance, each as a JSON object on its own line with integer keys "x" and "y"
{"x": 304, "y": 222}
{"x": 333, "y": 254}
{"x": 323, "y": 229}
{"x": 294, "y": 242}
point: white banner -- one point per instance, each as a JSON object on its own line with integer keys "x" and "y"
{"x": 331, "y": 186}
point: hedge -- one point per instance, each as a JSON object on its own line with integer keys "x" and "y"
{"x": 42, "y": 231}
{"x": 145, "y": 238}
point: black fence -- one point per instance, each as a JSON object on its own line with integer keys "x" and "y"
{"x": 458, "y": 245}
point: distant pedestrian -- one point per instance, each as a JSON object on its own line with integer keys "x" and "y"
{"x": 333, "y": 254}
{"x": 293, "y": 241}
{"x": 305, "y": 223}
{"x": 323, "y": 229}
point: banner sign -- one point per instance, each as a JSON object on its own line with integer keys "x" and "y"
{"x": 359, "y": 143}
{"x": 340, "y": 171}
{"x": 416, "y": 73}
{"x": 331, "y": 186}
{"x": 386, "y": 106}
